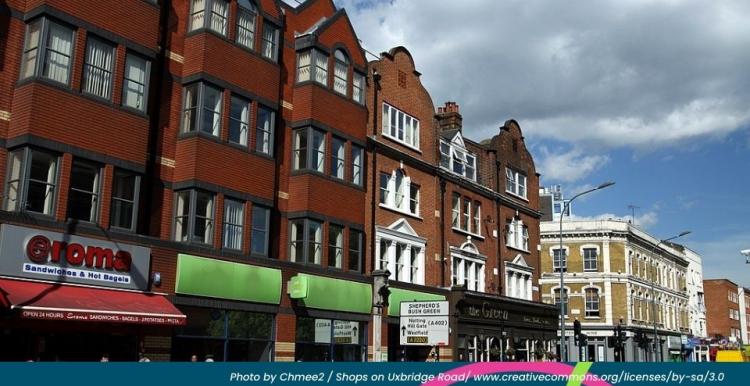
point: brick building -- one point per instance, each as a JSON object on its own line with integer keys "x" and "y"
{"x": 616, "y": 274}
{"x": 204, "y": 177}
{"x": 447, "y": 212}
{"x": 723, "y": 311}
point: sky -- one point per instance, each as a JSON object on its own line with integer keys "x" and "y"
{"x": 654, "y": 95}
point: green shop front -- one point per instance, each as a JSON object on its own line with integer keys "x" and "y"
{"x": 396, "y": 352}
{"x": 331, "y": 318}
{"x": 230, "y": 307}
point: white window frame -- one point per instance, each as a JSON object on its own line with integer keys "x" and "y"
{"x": 453, "y": 157}
{"x": 398, "y": 193}
{"x": 518, "y": 235}
{"x": 467, "y": 267}
{"x": 393, "y": 239}
{"x": 583, "y": 250}
{"x": 515, "y": 287}
{"x": 394, "y": 127}
{"x": 592, "y": 313}
{"x": 555, "y": 266}
{"x": 466, "y": 216}
{"x": 516, "y": 183}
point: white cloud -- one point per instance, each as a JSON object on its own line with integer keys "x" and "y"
{"x": 568, "y": 166}
{"x": 722, "y": 258}
{"x": 639, "y": 74}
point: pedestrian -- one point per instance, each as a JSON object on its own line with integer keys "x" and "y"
{"x": 193, "y": 358}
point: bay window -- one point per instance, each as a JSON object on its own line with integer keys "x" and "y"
{"x": 309, "y": 149}
{"x": 335, "y": 245}
{"x": 340, "y": 72}
{"x": 194, "y": 216}
{"x": 125, "y": 191}
{"x": 358, "y": 88}
{"x": 47, "y": 51}
{"x": 355, "y": 250}
{"x": 306, "y": 240}
{"x": 270, "y": 41}
{"x": 239, "y": 120}
{"x": 357, "y": 155}
{"x": 31, "y": 181}
{"x": 135, "y": 82}
{"x": 211, "y": 14}
{"x": 259, "y": 236}
{"x": 202, "y": 109}
{"x": 246, "y": 15}
{"x": 337, "y": 158}
{"x": 264, "y": 130}
{"x": 83, "y": 197}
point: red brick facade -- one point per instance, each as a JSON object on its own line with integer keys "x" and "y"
{"x": 721, "y": 296}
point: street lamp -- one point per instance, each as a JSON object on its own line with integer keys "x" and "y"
{"x": 563, "y": 298}
{"x": 653, "y": 297}
{"x": 746, "y": 252}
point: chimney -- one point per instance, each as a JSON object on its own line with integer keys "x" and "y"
{"x": 448, "y": 117}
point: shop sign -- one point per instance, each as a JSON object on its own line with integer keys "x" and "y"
{"x": 344, "y": 332}
{"x": 484, "y": 310}
{"x": 83, "y": 316}
{"x": 424, "y": 323}
{"x": 53, "y": 256}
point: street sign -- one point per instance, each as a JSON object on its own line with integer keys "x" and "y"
{"x": 424, "y": 323}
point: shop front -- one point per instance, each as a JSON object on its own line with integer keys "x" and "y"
{"x": 231, "y": 310}
{"x": 396, "y": 352}
{"x": 71, "y": 298}
{"x": 493, "y": 328}
{"x": 331, "y": 318}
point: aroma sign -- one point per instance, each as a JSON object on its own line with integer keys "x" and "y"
{"x": 53, "y": 256}
{"x": 41, "y": 250}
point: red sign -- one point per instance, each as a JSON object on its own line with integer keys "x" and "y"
{"x": 90, "y": 316}
{"x": 41, "y": 250}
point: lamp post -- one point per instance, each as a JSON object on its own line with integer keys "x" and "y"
{"x": 653, "y": 298}
{"x": 563, "y": 298}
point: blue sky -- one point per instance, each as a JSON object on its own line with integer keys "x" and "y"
{"x": 652, "y": 94}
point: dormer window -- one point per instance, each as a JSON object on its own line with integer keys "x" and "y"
{"x": 455, "y": 158}
{"x": 340, "y": 72}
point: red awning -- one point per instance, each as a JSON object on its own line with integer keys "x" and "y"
{"x": 65, "y": 302}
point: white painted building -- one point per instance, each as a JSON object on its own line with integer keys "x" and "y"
{"x": 696, "y": 303}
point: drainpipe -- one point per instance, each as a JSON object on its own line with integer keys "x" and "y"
{"x": 500, "y": 267}
{"x": 442, "y": 233}
{"x": 379, "y": 277}
{"x": 374, "y": 177}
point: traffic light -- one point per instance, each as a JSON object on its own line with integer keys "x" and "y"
{"x": 576, "y": 328}
{"x": 583, "y": 340}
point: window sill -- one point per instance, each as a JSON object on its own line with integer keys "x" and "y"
{"x": 473, "y": 235}
{"x": 591, "y": 270}
{"x": 400, "y": 142}
{"x": 592, "y": 317}
{"x": 518, "y": 249}
{"x": 517, "y": 196}
{"x": 392, "y": 209}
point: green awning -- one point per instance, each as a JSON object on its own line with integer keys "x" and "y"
{"x": 401, "y": 295}
{"x": 330, "y": 294}
{"x": 226, "y": 280}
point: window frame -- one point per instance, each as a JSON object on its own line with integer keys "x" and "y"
{"x": 558, "y": 261}
{"x": 586, "y": 259}
{"x": 338, "y": 63}
{"x": 135, "y": 202}
{"x": 310, "y": 153}
{"x": 335, "y": 251}
{"x": 391, "y": 132}
{"x": 42, "y": 50}
{"x": 270, "y": 132}
{"x": 266, "y": 230}
{"x": 199, "y": 107}
{"x": 338, "y": 164}
{"x": 590, "y": 302}
{"x": 306, "y": 241}
{"x": 248, "y": 104}
{"x": 90, "y": 38}
{"x": 225, "y": 224}
{"x": 192, "y": 216}
{"x": 126, "y": 81}
{"x": 357, "y": 168}
{"x": 452, "y": 157}
{"x": 274, "y": 43}
{"x": 405, "y": 243}
{"x": 25, "y": 157}
{"x": 253, "y": 12}
{"x": 471, "y": 270}
{"x": 513, "y": 183}
{"x": 208, "y": 15}
{"x": 95, "y": 194}
{"x": 360, "y": 91}
{"x": 357, "y": 252}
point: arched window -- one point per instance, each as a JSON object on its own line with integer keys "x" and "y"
{"x": 341, "y": 72}
{"x": 246, "y": 15}
{"x": 592, "y": 302}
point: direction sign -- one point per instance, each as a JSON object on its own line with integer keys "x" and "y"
{"x": 424, "y": 323}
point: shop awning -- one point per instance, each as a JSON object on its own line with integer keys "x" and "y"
{"x": 65, "y": 302}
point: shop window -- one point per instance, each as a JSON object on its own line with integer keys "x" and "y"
{"x": 47, "y": 51}
{"x": 246, "y": 15}
{"x": 270, "y": 41}
{"x": 97, "y": 68}
{"x": 211, "y": 14}
{"x": 125, "y": 191}
{"x": 135, "y": 82}
{"x": 194, "y": 216}
{"x": 306, "y": 239}
{"x": 202, "y": 109}
{"x": 264, "y": 129}
{"x": 31, "y": 181}
{"x": 261, "y": 224}
{"x": 239, "y": 120}
{"x": 233, "y": 223}
{"x": 327, "y": 340}
{"x": 224, "y": 335}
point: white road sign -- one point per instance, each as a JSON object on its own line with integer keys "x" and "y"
{"x": 424, "y": 323}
